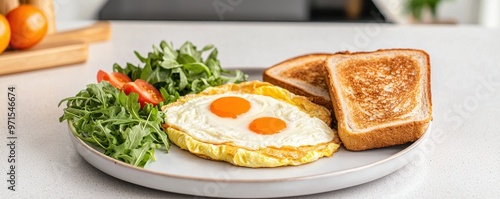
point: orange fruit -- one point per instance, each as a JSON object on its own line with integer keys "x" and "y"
{"x": 4, "y": 33}
{"x": 28, "y": 26}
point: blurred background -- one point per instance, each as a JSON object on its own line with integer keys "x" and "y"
{"x": 480, "y": 12}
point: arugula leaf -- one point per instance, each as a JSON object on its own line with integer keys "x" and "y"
{"x": 107, "y": 117}
{"x": 179, "y": 72}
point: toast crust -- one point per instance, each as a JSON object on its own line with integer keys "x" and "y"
{"x": 311, "y": 72}
{"x": 382, "y": 136}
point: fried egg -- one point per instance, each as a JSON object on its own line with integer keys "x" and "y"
{"x": 252, "y": 124}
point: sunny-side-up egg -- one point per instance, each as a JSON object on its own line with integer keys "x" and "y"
{"x": 251, "y": 124}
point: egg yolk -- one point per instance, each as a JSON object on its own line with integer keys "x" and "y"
{"x": 229, "y": 106}
{"x": 267, "y": 125}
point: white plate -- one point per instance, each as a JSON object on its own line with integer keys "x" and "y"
{"x": 180, "y": 172}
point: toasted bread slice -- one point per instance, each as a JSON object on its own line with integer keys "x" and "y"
{"x": 303, "y": 75}
{"x": 380, "y": 98}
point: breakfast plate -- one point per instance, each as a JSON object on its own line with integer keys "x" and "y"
{"x": 181, "y": 172}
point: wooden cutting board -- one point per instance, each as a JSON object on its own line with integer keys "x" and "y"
{"x": 58, "y": 49}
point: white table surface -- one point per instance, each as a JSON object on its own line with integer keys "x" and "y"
{"x": 463, "y": 159}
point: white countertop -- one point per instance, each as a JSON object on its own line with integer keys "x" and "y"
{"x": 462, "y": 160}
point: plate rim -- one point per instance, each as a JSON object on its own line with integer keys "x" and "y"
{"x": 404, "y": 151}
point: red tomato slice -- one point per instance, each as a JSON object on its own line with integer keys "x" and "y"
{"x": 147, "y": 92}
{"x": 115, "y": 78}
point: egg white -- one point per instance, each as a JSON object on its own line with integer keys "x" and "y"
{"x": 195, "y": 118}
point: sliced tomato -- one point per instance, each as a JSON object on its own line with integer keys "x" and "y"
{"x": 147, "y": 92}
{"x": 115, "y": 78}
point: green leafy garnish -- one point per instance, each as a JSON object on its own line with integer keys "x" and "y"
{"x": 179, "y": 72}
{"x": 107, "y": 117}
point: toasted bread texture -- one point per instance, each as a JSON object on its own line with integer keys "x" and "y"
{"x": 303, "y": 75}
{"x": 380, "y": 98}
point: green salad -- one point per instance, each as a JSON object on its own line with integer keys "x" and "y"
{"x": 121, "y": 114}
{"x": 182, "y": 71}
